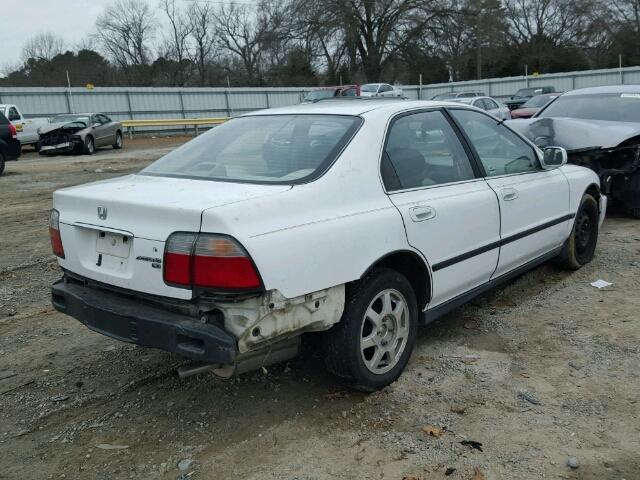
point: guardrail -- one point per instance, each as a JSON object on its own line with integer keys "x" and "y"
{"x": 176, "y": 122}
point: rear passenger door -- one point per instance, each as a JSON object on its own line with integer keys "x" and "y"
{"x": 450, "y": 214}
{"x": 534, "y": 203}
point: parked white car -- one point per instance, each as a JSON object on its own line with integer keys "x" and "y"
{"x": 380, "y": 90}
{"x": 359, "y": 219}
{"x": 27, "y": 128}
{"x": 488, "y": 104}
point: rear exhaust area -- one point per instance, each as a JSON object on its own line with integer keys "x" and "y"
{"x": 269, "y": 355}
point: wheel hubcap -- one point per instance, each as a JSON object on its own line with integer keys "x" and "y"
{"x": 384, "y": 332}
{"x": 119, "y": 140}
{"x": 583, "y": 231}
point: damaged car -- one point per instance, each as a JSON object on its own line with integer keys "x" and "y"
{"x": 79, "y": 133}
{"x": 600, "y": 129}
{"x": 350, "y": 221}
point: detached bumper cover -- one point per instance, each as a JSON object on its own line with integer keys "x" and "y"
{"x": 123, "y": 318}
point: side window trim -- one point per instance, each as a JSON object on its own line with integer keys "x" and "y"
{"x": 476, "y": 156}
{"x": 476, "y": 166}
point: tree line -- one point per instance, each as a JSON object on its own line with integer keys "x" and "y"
{"x": 314, "y": 42}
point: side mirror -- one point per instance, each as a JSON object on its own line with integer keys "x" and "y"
{"x": 554, "y": 157}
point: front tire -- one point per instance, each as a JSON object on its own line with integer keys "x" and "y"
{"x": 373, "y": 341}
{"x": 118, "y": 143}
{"x": 89, "y": 145}
{"x": 580, "y": 247}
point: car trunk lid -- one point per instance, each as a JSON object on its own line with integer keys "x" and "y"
{"x": 114, "y": 231}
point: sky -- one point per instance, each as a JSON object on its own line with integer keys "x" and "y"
{"x": 70, "y": 19}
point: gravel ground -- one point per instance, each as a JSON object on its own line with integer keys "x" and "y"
{"x": 519, "y": 384}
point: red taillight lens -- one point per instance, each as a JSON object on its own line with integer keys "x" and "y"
{"x": 208, "y": 261}
{"x": 177, "y": 258}
{"x": 54, "y": 233}
{"x": 13, "y": 131}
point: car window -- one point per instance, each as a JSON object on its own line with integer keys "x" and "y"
{"x": 501, "y": 151}
{"x": 369, "y": 88}
{"x": 13, "y": 114}
{"x": 265, "y": 149}
{"x": 105, "y": 119}
{"x": 422, "y": 149}
{"x": 349, "y": 92}
{"x": 386, "y": 88}
{"x": 490, "y": 104}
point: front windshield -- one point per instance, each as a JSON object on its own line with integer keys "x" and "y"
{"x": 527, "y": 92}
{"x": 538, "y": 101}
{"x": 266, "y": 149}
{"x": 614, "y": 107}
{"x": 369, "y": 88}
{"x": 319, "y": 95}
{"x": 71, "y": 119}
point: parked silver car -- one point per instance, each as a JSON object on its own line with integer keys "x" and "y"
{"x": 488, "y": 104}
{"x": 80, "y": 133}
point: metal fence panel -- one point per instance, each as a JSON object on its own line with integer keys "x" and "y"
{"x": 148, "y": 102}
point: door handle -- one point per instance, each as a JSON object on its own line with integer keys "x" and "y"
{"x": 420, "y": 214}
{"x": 509, "y": 194}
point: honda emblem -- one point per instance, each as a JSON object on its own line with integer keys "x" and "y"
{"x": 102, "y": 213}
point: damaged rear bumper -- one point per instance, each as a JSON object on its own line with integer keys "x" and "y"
{"x": 120, "y": 317}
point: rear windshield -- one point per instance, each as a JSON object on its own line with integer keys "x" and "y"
{"x": 265, "y": 149}
{"x": 615, "y": 107}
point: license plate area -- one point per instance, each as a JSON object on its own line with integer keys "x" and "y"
{"x": 114, "y": 244}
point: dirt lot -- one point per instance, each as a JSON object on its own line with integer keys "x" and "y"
{"x": 544, "y": 369}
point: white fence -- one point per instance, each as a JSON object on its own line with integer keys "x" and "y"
{"x": 155, "y": 103}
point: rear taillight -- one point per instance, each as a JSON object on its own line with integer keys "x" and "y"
{"x": 12, "y": 131}
{"x": 208, "y": 261}
{"x": 54, "y": 233}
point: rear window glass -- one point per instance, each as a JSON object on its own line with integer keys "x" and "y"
{"x": 266, "y": 149}
{"x": 614, "y": 107}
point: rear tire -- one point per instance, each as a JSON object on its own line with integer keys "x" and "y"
{"x": 89, "y": 145}
{"x": 580, "y": 247}
{"x": 118, "y": 144}
{"x": 373, "y": 341}
{"x": 2, "y": 160}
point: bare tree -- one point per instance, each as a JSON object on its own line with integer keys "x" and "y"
{"x": 202, "y": 36}
{"x": 43, "y": 46}
{"x": 381, "y": 28}
{"x": 125, "y": 31}
{"x": 247, "y": 32}
{"x": 558, "y": 21}
{"x": 176, "y": 43}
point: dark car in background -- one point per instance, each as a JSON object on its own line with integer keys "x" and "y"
{"x": 600, "y": 129}
{"x": 521, "y": 96}
{"x": 321, "y": 93}
{"x": 533, "y": 105}
{"x": 9, "y": 144}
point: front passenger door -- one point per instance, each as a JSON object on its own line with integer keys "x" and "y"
{"x": 450, "y": 215}
{"x": 534, "y": 203}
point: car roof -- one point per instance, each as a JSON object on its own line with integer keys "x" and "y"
{"x": 353, "y": 106}
{"x": 605, "y": 89}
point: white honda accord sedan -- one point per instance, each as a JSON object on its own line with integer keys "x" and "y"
{"x": 353, "y": 220}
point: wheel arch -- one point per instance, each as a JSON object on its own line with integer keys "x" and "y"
{"x": 413, "y": 266}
